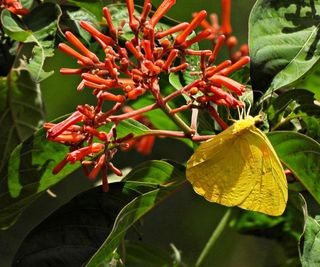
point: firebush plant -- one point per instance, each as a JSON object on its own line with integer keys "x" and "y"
{"x": 151, "y": 78}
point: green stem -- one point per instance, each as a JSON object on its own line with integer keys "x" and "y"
{"x": 177, "y": 120}
{"x": 214, "y": 237}
{"x": 287, "y": 119}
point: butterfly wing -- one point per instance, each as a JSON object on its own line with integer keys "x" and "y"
{"x": 239, "y": 170}
{"x": 270, "y": 192}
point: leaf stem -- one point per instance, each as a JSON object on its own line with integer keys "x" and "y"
{"x": 214, "y": 237}
{"x": 287, "y": 119}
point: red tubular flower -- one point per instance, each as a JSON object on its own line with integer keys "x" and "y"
{"x": 145, "y": 11}
{"x": 68, "y": 138}
{"x": 194, "y": 24}
{"x": 180, "y": 27}
{"x": 134, "y": 51}
{"x": 226, "y": 11}
{"x": 76, "y": 42}
{"x": 95, "y": 79}
{"x": 67, "y": 49}
{"x": 70, "y": 71}
{"x": 202, "y": 35}
{"x": 60, "y": 166}
{"x": 215, "y": 69}
{"x": 173, "y": 54}
{"x": 219, "y": 42}
{"x": 15, "y": 7}
{"x": 101, "y": 161}
{"x": 162, "y": 9}
{"x": 79, "y": 154}
{"x": 107, "y": 16}
{"x": 147, "y": 48}
{"x": 62, "y": 126}
{"x": 229, "y": 83}
{"x": 239, "y": 64}
{"x": 181, "y": 67}
{"x": 112, "y": 97}
{"x": 134, "y": 24}
{"x": 95, "y": 33}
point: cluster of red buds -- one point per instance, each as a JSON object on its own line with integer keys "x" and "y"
{"x": 226, "y": 29}
{"x": 132, "y": 70}
{"x": 14, "y": 6}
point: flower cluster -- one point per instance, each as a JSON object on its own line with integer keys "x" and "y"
{"x": 226, "y": 29}
{"x": 14, "y": 6}
{"x": 132, "y": 70}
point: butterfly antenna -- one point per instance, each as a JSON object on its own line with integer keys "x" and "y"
{"x": 229, "y": 116}
{"x": 240, "y": 113}
{"x": 249, "y": 109}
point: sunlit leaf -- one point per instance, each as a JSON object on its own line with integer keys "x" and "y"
{"x": 93, "y": 6}
{"x": 309, "y": 244}
{"x": 71, "y": 18}
{"x": 14, "y": 27}
{"x": 284, "y": 42}
{"x": 96, "y": 219}
{"x": 21, "y": 110}
{"x": 311, "y": 83}
{"x": 40, "y": 32}
{"x": 295, "y": 104}
{"x": 28, "y": 172}
{"x": 301, "y": 155}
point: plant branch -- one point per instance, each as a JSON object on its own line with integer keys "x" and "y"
{"x": 214, "y": 237}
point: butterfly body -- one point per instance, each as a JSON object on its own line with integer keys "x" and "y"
{"x": 239, "y": 167}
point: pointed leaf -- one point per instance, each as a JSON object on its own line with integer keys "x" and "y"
{"x": 295, "y": 104}
{"x": 171, "y": 178}
{"x": 74, "y": 232}
{"x": 73, "y": 18}
{"x": 284, "y": 42}
{"x": 21, "y": 110}
{"x": 40, "y": 32}
{"x": 301, "y": 155}
{"x": 309, "y": 245}
{"x": 14, "y": 27}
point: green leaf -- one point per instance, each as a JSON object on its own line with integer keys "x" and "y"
{"x": 301, "y": 155}
{"x": 295, "y": 104}
{"x": 93, "y": 6}
{"x": 75, "y": 231}
{"x": 171, "y": 177}
{"x": 14, "y": 27}
{"x": 284, "y": 42}
{"x": 21, "y": 110}
{"x": 78, "y": 15}
{"x": 41, "y": 33}
{"x": 311, "y": 83}
{"x": 120, "y": 11}
{"x": 309, "y": 244}
{"x": 26, "y": 3}
{"x": 28, "y": 172}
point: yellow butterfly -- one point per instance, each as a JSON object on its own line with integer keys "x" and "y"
{"x": 239, "y": 167}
